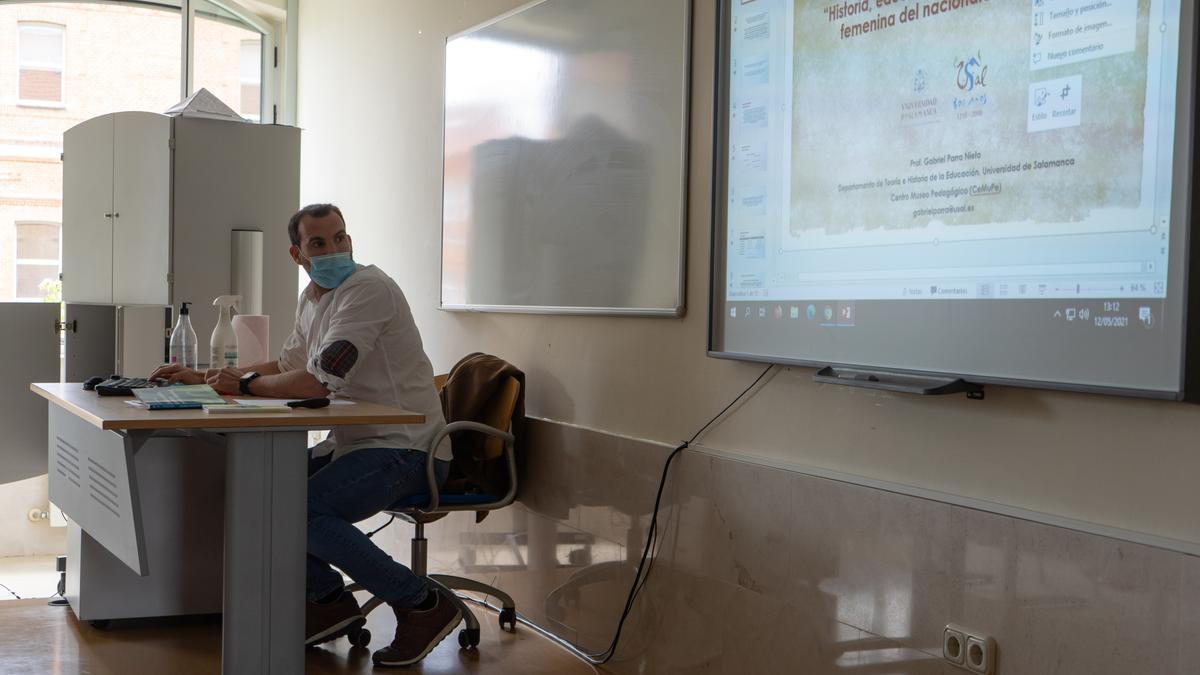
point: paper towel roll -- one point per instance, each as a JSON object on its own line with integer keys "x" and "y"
{"x": 253, "y": 336}
{"x": 246, "y": 269}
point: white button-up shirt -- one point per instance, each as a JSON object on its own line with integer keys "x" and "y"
{"x": 359, "y": 340}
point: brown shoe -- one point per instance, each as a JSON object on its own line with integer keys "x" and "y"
{"x": 329, "y": 621}
{"x": 417, "y": 632}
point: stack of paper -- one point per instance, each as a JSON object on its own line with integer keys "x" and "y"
{"x": 204, "y": 104}
{"x": 177, "y": 396}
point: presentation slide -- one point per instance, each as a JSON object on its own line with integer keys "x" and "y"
{"x": 1016, "y": 156}
{"x": 933, "y": 133}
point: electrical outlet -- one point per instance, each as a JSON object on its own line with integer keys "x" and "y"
{"x": 954, "y": 645}
{"x": 981, "y": 652}
{"x": 969, "y": 649}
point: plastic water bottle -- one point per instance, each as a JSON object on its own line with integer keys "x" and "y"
{"x": 185, "y": 349}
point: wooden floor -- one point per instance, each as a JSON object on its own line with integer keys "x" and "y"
{"x": 36, "y": 638}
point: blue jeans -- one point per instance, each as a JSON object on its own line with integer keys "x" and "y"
{"x": 357, "y": 486}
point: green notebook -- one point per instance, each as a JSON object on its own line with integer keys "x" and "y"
{"x": 200, "y": 394}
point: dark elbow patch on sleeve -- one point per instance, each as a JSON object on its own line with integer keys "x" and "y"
{"x": 338, "y": 358}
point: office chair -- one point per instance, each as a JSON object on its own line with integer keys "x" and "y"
{"x": 421, "y": 509}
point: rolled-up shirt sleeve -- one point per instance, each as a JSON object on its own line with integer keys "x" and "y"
{"x": 294, "y": 352}
{"x": 364, "y": 310}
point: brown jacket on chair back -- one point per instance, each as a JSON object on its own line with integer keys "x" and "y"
{"x": 470, "y": 388}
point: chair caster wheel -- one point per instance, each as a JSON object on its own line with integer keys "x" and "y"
{"x": 99, "y": 624}
{"x": 468, "y": 638}
{"x": 359, "y": 638}
{"x": 508, "y": 615}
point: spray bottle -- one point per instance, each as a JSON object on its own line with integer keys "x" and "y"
{"x": 223, "y": 348}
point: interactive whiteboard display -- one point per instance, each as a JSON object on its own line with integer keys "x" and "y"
{"x": 994, "y": 189}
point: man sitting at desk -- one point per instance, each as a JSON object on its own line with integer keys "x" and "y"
{"x": 354, "y": 337}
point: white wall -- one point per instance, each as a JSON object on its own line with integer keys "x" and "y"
{"x": 370, "y": 104}
{"x": 20, "y": 536}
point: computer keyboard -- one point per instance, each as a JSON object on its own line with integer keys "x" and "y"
{"x": 123, "y": 386}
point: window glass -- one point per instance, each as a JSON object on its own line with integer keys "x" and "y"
{"x": 37, "y": 260}
{"x": 228, "y": 59}
{"x": 41, "y": 45}
{"x": 251, "y": 58}
{"x": 34, "y": 282}
{"x": 40, "y": 56}
{"x": 37, "y": 240}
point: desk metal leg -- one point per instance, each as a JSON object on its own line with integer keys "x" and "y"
{"x": 266, "y": 491}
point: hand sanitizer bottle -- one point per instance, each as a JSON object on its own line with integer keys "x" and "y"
{"x": 223, "y": 349}
{"x": 184, "y": 346}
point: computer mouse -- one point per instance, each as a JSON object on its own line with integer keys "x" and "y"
{"x": 90, "y": 383}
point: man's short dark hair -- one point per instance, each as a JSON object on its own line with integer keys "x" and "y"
{"x": 314, "y": 210}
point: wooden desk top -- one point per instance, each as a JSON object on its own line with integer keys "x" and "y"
{"x": 113, "y": 413}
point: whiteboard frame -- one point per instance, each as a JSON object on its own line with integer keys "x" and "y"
{"x": 680, "y": 307}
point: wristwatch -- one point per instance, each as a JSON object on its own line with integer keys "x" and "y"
{"x": 245, "y": 380}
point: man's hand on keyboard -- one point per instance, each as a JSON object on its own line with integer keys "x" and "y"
{"x": 174, "y": 373}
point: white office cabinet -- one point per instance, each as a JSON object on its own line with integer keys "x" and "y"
{"x": 150, "y": 205}
{"x": 116, "y": 209}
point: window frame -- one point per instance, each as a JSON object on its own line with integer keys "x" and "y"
{"x": 44, "y": 28}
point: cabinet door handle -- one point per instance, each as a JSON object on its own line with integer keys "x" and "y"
{"x": 116, "y": 215}
{"x": 108, "y": 215}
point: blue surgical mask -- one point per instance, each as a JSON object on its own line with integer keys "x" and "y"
{"x": 329, "y": 271}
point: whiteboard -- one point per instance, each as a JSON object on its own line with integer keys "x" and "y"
{"x": 564, "y": 165}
